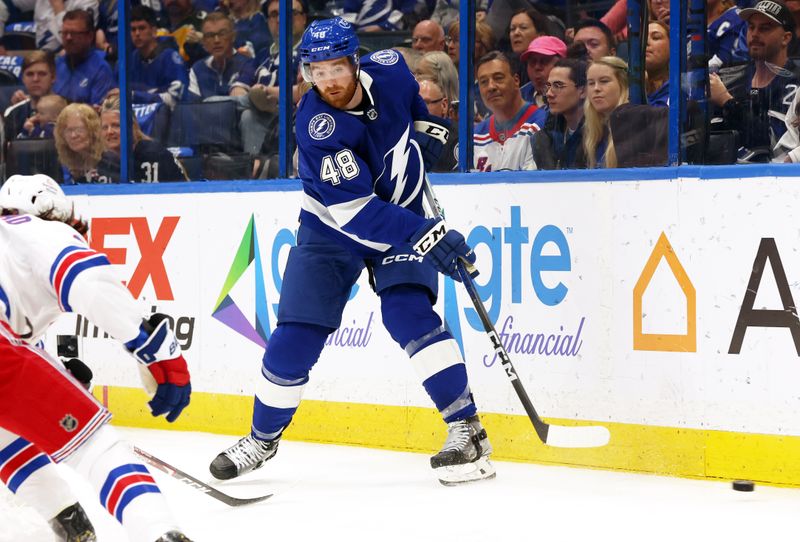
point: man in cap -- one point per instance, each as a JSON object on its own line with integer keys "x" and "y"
{"x": 540, "y": 57}
{"x": 757, "y": 108}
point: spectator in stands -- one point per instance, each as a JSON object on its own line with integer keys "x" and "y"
{"x": 659, "y": 10}
{"x": 484, "y": 41}
{"x": 656, "y": 62}
{"x": 216, "y": 74}
{"x": 82, "y": 73}
{"x": 79, "y": 144}
{"x": 49, "y": 18}
{"x": 525, "y": 26}
{"x": 258, "y": 122}
{"x": 376, "y": 15}
{"x": 607, "y": 89}
{"x": 438, "y": 104}
{"x": 186, "y": 26}
{"x": 794, "y": 7}
{"x": 540, "y": 57}
{"x": 757, "y": 109}
{"x": 38, "y": 76}
{"x": 152, "y": 162}
{"x": 597, "y": 38}
{"x": 438, "y": 66}
{"x": 727, "y": 33}
{"x": 427, "y": 36}
{"x": 502, "y": 141}
{"x": 446, "y": 12}
{"x": 559, "y": 145}
{"x": 43, "y": 123}
{"x": 252, "y": 36}
{"x": 157, "y": 70}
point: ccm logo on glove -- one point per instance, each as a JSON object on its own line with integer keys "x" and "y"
{"x": 430, "y": 238}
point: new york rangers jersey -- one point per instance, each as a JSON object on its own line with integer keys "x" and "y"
{"x": 362, "y": 171}
{"x": 499, "y": 148}
{"x": 48, "y": 269}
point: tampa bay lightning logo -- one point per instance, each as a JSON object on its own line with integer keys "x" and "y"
{"x": 321, "y": 126}
{"x": 387, "y": 57}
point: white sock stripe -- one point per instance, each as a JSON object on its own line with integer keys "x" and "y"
{"x": 273, "y": 395}
{"x": 265, "y": 436}
{"x": 462, "y": 401}
{"x": 281, "y": 381}
{"x": 414, "y": 346}
{"x": 435, "y": 358}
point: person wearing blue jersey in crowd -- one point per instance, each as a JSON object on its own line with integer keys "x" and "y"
{"x": 258, "y": 122}
{"x": 757, "y": 108}
{"x": 82, "y": 73}
{"x": 157, "y": 70}
{"x": 377, "y": 15}
{"x": 657, "y": 64}
{"x": 364, "y": 136}
{"x": 216, "y": 74}
{"x": 727, "y": 33}
{"x": 252, "y": 36}
{"x": 38, "y": 76}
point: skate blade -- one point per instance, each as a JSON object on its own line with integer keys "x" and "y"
{"x": 453, "y": 475}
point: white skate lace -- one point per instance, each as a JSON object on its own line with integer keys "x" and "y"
{"x": 248, "y": 451}
{"x": 458, "y": 435}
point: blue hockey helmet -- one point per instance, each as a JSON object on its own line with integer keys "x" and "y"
{"x": 328, "y": 39}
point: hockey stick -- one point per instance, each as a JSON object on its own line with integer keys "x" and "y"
{"x": 194, "y": 482}
{"x": 562, "y": 436}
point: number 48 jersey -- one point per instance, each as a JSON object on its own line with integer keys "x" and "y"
{"x": 361, "y": 169}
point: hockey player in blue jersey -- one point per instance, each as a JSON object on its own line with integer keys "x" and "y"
{"x": 364, "y": 135}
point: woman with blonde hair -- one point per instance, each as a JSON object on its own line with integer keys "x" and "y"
{"x": 606, "y": 89}
{"x": 438, "y": 66}
{"x": 78, "y": 143}
{"x": 151, "y": 163}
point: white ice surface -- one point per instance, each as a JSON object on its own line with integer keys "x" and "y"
{"x": 332, "y": 493}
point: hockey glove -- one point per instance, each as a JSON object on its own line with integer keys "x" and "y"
{"x": 431, "y": 136}
{"x": 442, "y": 247}
{"x": 174, "y": 388}
{"x": 157, "y": 349}
{"x": 79, "y": 371}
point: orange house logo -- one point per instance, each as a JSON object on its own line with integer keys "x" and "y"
{"x": 665, "y": 342}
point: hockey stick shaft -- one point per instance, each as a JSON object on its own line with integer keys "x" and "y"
{"x": 189, "y": 480}
{"x": 552, "y": 435}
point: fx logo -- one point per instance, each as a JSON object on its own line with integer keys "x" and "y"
{"x": 151, "y": 249}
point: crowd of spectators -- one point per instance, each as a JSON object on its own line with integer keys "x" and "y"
{"x": 550, "y": 90}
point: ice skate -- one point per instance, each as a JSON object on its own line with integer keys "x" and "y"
{"x": 465, "y": 454}
{"x": 246, "y": 455}
{"x": 173, "y": 536}
{"x": 72, "y": 525}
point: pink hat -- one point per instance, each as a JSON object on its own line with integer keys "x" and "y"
{"x": 545, "y": 45}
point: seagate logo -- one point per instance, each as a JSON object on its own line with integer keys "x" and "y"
{"x": 387, "y": 57}
{"x": 321, "y": 126}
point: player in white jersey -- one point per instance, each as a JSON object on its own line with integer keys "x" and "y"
{"x": 47, "y": 268}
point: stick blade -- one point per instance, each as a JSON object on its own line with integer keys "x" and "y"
{"x": 581, "y": 436}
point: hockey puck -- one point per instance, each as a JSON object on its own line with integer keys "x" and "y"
{"x": 743, "y": 485}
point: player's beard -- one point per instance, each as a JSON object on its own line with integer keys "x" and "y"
{"x": 340, "y": 101}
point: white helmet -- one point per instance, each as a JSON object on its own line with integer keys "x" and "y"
{"x": 37, "y": 195}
